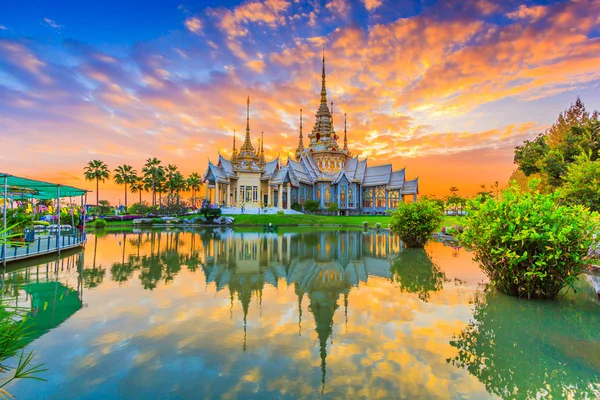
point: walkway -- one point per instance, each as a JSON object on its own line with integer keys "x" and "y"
{"x": 42, "y": 245}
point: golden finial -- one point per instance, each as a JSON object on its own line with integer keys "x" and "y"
{"x": 345, "y": 134}
{"x": 323, "y": 88}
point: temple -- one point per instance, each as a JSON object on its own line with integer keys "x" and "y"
{"x": 323, "y": 171}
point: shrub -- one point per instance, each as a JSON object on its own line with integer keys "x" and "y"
{"x": 211, "y": 212}
{"x": 296, "y": 207}
{"x": 333, "y": 207}
{"x": 415, "y": 222}
{"x": 311, "y": 206}
{"x": 527, "y": 244}
{"x": 280, "y": 212}
{"x": 141, "y": 208}
{"x": 378, "y": 225}
{"x": 365, "y": 224}
{"x": 100, "y": 223}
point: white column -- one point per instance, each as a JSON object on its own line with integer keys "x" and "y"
{"x": 227, "y": 201}
{"x": 280, "y": 196}
{"x": 217, "y": 193}
{"x": 289, "y": 196}
{"x": 269, "y": 195}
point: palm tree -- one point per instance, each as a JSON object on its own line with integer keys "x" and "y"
{"x": 153, "y": 174}
{"x": 137, "y": 185}
{"x": 194, "y": 183}
{"x": 174, "y": 181}
{"x": 124, "y": 175}
{"x": 96, "y": 170}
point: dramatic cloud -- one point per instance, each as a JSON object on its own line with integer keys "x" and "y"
{"x": 441, "y": 85}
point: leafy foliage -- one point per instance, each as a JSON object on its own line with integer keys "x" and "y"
{"x": 210, "y": 212}
{"x": 582, "y": 183}
{"x": 141, "y": 208}
{"x": 415, "y": 222}
{"x": 296, "y": 207}
{"x": 96, "y": 170}
{"x": 100, "y": 223}
{"x": 527, "y": 244}
{"x": 12, "y": 333}
{"x": 333, "y": 207}
{"x": 311, "y": 205}
{"x": 550, "y": 154}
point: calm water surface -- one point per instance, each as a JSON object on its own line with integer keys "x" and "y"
{"x": 299, "y": 314}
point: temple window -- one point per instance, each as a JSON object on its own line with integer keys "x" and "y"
{"x": 242, "y": 190}
{"x": 254, "y": 193}
{"x": 343, "y": 196}
{"x": 380, "y": 196}
{"x": 351, "y": 197}
{"x": 393, "y": 198}
{"x": 367, "y": 198}
{"x": 327, "y": 197}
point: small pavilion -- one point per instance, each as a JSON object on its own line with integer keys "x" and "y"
{"x": 20, "y": 188}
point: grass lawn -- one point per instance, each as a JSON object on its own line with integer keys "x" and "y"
{"x": 303, "y": 219}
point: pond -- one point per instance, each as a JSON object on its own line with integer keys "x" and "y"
{"x": 295, "y": 314}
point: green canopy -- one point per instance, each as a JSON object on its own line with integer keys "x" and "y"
{"x": 39, "y": 189}
{"x": 52, "y": 303}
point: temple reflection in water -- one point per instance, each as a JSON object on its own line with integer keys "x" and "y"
{"x": 324, "y": 266}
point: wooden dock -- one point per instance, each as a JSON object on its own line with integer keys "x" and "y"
{"x": 45, "y": 244}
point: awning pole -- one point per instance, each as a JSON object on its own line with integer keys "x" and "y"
{"x": 58, "y": 213}
{"x": 4, "y": 217}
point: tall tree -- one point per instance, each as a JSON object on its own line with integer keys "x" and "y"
{"x": 137, "y": 185}
{"x": 194, "y": 182}
{"x": 125, "y": 175}
{"x": 153, "y": 174}
{"x": 96, "y": 170}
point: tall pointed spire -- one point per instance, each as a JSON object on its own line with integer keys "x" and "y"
{"x": 323, "y": 87}
{"x": 345, "y": 135}
{"x": 300, "y": 148}
{"x": 247, "y": 150}
{"x": 234, "y": 151}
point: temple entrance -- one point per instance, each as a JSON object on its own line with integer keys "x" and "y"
{"x": 265, "y": 199}
{"x": 275, "y": 198}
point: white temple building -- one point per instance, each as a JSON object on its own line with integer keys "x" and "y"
{"x": 323, "y": 171}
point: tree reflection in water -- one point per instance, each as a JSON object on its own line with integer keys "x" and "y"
{"x": 416, "y": 273}
{"x": 532, "y": 349}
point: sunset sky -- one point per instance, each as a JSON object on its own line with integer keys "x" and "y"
{"x": 445, "y": 88}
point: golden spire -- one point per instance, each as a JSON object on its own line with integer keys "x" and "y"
{"x": 234, "y": 152}
{"x": 247, "y": 149}
{"x": 300, "y": 148}
{"x": 261, "y": 147}
{"x": 345, "y": 135}
{"x": 323, "y": 88}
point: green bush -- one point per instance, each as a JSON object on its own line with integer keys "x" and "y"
{"x": 210, "y": 212}
{"x": 296, "y": 207}
{"x": 141, "y": 208}
{"x": 527, "y": 244}
{"x": 311, "y": 205}
{"x": 100, "y": 223}
{"x": 415, "y": 222}
{"x": 280, "y": 212}
{"x": 333, "y": 207}
{"x": 157, "y": 221}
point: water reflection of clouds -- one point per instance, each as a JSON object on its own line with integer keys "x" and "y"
{"x": 185, "y": 338}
